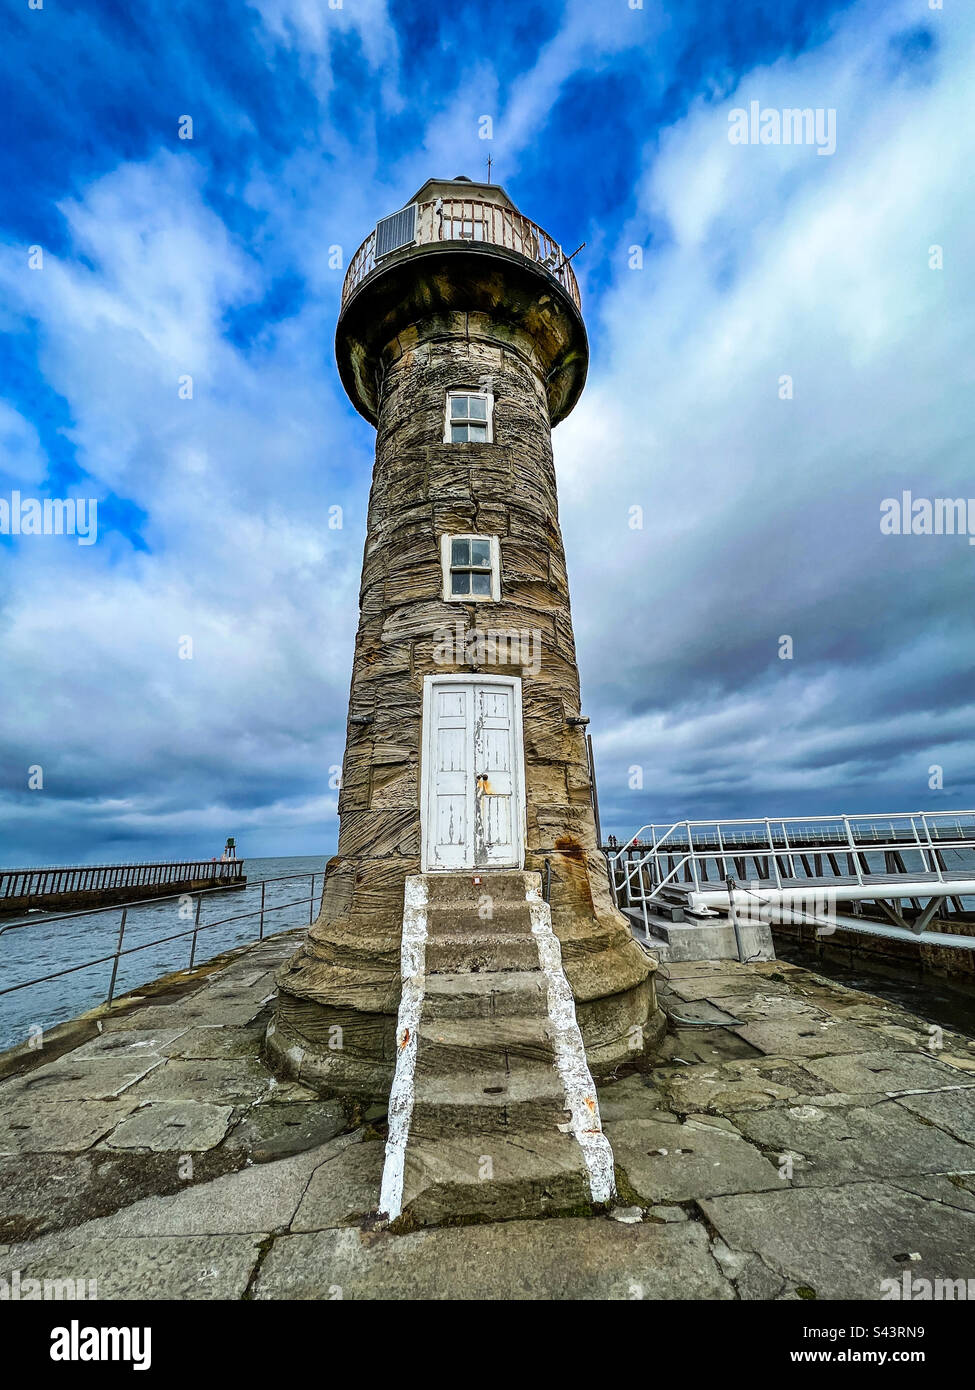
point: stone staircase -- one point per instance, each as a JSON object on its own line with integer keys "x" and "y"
{"x": 493, "y": 1112}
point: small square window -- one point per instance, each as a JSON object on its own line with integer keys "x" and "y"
{"x": 469, "y": 417}
{"x": 471, "y": 567}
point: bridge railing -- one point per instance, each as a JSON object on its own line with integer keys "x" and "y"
{"x": 677, "y": 855}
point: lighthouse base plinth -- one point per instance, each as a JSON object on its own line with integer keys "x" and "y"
{"x": 335, "y": 1022}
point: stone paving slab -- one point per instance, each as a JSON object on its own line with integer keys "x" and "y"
{"x": 217, "y": 1080}
{"x": 547, "y": 1259}
{"x": 344, "y": 1190}
{"x": 952, "y": 1111}
{"x": 281, "y": 1196}
{"x": 237, "y": 980}
{"x": 42, "y": 1126}
{"x": 706, "y": 1011}
{"x": 182, "y": 1126}
{"x": 150, "y": 1018}
{"x": 268, "y": 1132}
{"x": 61, "y": 1191}
{"x": 690, "y": 968}
{"x": 800, "y": 1036}
{"x": 886, "y": 1071}
{"x": 284, "y": 1092}
{"x": 690, "y": 1046}
{"x": 257, "y": 1199}
{"x": 956, "y": 1191}
{"x": 676, "y": 1162}
{"x": 633, "y": 1098}
{"x": 847, "y": 1145}
{"x": 69, "y": 1080}
{"x": 128, "y": 1044}
{"x": 190, "y": 1267}
{"x": 201, "y": 1009}
{"x": 841, "y": 1242}
{"x": 723, "y": 987}
{"x": 735, "y": 1085}
{"x": 219, "y": 1042}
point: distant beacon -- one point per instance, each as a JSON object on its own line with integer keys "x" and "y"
{"x": 461, "y": 339}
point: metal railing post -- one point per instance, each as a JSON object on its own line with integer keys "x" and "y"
{"x": 920, "y": 847}
{"x": 851, "y": 843}
{"x": 792, "y": 862}
{"x": 772, "y": 855}
{"x": 724, "y": 865}
{"x": 935, "y": 857}
{"x": 733, "y": 914}
{"x": 690, "y": 848}
{"x": 260, "y": 934}
{"x": 118, "y": 952}
{"x": 196, "y": 928}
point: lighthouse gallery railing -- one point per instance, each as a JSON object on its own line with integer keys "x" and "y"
{"x": 473, "y": 220}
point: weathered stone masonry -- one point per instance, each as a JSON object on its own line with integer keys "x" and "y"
{"x": 347, "y": 972}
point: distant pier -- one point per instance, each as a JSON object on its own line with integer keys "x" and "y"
{"x": 101, "y": 885}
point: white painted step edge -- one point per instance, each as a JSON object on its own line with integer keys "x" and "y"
{"x": 570, "y": 1056}
{"x": 403, "y": 1092}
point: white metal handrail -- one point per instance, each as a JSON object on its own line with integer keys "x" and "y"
{"x": 642, "y": 872}
{"x": 950, "y": 819}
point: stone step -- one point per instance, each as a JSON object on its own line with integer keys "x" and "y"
{"x": 460, "y": 890}
{"x": 498, "y": 994}
{"x": 494, "y": 1177}
{"x": 479, "y": 951}
{"x": 450, "y": 1117}
{"x": 506, "y": 919}
{"x": 451, "y": 1047}
{"x": 495, "y": 1088}
{"x": 487, "y": 1133}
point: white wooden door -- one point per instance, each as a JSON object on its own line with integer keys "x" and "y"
{"x": 471, "y": 803}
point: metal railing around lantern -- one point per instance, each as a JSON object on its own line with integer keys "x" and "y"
{"x": 479, "y": 222}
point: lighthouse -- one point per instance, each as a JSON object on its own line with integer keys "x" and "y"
{"x": 468, "y": 883}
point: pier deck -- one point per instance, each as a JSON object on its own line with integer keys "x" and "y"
{"x": 101, "y": 885}
{"x": 816, "y": 1142}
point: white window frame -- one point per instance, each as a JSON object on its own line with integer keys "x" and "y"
{"x": 486, "y": 396}
{"x": 495, "y": 595}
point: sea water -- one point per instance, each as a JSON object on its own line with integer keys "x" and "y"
{"x": 44, "y": 942}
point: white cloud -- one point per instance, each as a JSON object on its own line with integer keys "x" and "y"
{"x": 762, "y": 515}
{"x": 236, "y": 483}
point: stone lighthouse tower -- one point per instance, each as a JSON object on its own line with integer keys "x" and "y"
{"x": 466, "y": 787}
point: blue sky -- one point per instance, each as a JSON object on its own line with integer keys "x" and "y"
{"x": 210, "y": 257}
